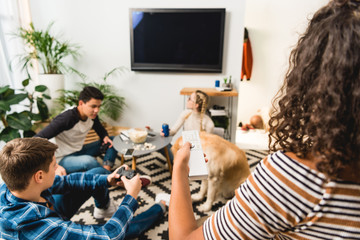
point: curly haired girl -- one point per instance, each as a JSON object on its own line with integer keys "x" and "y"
{"x": 309, "y": 187}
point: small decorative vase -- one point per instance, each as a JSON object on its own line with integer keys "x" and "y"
{"x": 227, "y": 85}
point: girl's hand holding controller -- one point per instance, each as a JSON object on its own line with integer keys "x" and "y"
{"x": 182, "y": 157}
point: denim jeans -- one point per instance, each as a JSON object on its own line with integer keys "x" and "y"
{"x": 68, "y": 204}
{"x": 84, "y": 159}
{"x": 145, "y": 220}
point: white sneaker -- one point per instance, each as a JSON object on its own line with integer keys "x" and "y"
{"x": 163, "y": 197}
{"x": 100, "y": 213}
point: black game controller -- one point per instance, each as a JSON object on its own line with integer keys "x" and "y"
{"x": 129, "y": 174}
{"x": 104, "y": 147}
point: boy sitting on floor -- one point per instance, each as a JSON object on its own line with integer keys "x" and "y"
{"x": 36, "y": 203}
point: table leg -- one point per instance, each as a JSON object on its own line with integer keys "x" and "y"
{"x": 133, "y": 163}
{"x": 168, "y": 159}
{"x": 122, "y": 159}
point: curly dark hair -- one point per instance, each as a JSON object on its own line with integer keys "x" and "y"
{"x": 317, "y": 110}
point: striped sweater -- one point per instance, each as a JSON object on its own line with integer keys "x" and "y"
{"x": 285, "y": 199}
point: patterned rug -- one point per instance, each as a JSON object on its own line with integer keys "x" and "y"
{"x": 154, "y": 165}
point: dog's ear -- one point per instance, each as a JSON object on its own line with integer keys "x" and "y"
{"x": 177, "y": 145}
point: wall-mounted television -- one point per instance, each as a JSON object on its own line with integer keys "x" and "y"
{"x": 189, "y": 40}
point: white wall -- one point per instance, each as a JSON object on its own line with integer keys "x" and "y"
{"x": 102, "y": 29}
{"x": 274, "y": 27}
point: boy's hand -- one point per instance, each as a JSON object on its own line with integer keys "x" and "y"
{"x": 114, "y": 176}
{"x": 60, "y": 171}
{"x": 108, "y": 140}
{"x": 132, "y": 186}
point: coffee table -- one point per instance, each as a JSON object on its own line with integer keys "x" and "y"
{"x": 160, "y": 142}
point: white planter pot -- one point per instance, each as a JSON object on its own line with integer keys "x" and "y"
{"x": 54, "y": 82}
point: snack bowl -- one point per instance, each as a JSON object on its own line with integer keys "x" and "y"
{"x": 138, "y": 136}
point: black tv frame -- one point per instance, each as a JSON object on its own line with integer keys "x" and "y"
{"x": 178, "y": 67}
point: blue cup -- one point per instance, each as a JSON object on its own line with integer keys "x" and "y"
{"x": 217, "y": 83}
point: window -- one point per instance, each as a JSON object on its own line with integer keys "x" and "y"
{"x": 12, "y": 13}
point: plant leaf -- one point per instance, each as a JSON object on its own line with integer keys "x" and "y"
{"x": 40, "y": 88}
{"x": 46, "y": 96}
{"x": 35, "y": 116}
{"x": 4, "y": 89}
{"x": 19, "y": 121}
{"x": 4, "y": 106}
{"x": 16, "y": 98}
{"x": 26, "y": 82}
{"x": 8, "y": 134}
{"x": 7, "y": 93}
{"x": 43, "y": 109}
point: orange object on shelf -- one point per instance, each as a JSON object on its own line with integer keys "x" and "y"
{"x": 247, "y": 60}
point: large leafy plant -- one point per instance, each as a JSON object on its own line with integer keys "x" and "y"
{"x": 47, "y": 49}
{"x": 113, "y": 104}
{"x": 17, "y": 124}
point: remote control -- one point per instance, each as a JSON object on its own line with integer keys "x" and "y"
{"x": 129, "y": 174}
{"x": 197, "y": 164}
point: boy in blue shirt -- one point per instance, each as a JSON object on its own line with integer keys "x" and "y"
{"x": 30, "y": 206}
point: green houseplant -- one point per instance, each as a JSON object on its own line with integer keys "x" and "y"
{"x": 112, "y": 105}
{"x": 227, "y": 82}
{"x": 49, "y": 52}
{"x": 17, "y": 124}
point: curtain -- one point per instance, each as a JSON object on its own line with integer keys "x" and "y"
{"x": 13, "y": 14}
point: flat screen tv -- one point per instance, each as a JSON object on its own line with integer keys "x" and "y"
{"x": 188, "y": 40}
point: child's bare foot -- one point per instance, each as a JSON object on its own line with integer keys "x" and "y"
{"x": 107, "y": 167}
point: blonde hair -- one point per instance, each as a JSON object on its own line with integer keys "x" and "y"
{"x": 202, "y": 99}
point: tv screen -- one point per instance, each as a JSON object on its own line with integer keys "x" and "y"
{"x": 177, "y": 39}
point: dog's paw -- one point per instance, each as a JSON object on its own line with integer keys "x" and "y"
{"x": 205, "y": 207}
{"x": 197, "y": 197}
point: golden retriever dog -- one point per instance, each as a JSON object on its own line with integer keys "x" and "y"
{"x": 227, "y": 167}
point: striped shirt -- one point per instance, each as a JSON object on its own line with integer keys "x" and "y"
{"x": 285, "y": 199}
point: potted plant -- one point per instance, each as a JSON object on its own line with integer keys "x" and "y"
{"x": 21, "y": 124}
{"x": 112, "y": 105}
{"x": 227, "y": 84}
{"x": 50, "y": 53}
